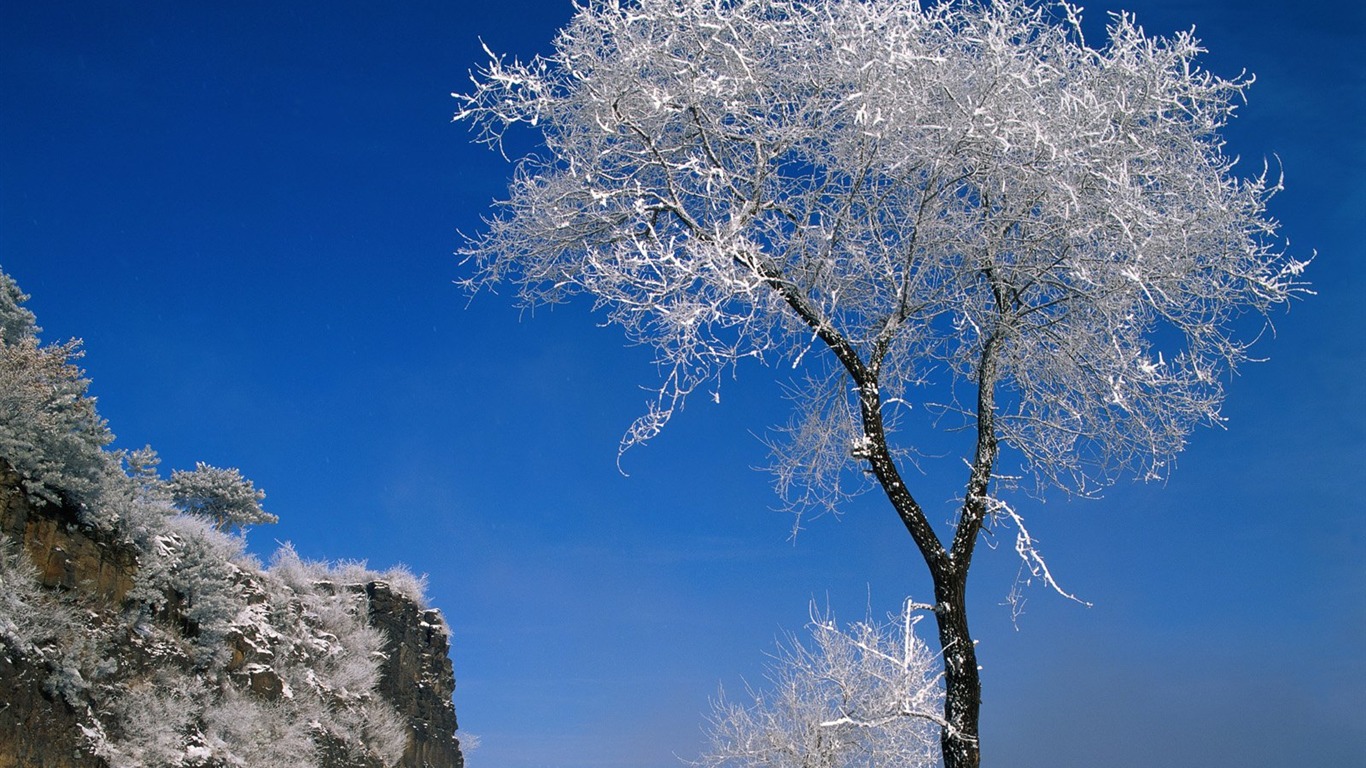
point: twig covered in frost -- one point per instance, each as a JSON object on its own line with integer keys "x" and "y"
{"x": 867, "y": 694}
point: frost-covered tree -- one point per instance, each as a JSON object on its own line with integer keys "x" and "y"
{"x": 868, "y": 695}
{"x": 49, "y": 430}
{"x": 222, "y": 496}
{"x": 956, "y": 215}
{"x": 17, "y": 323}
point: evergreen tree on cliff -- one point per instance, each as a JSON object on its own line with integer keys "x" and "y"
{"x": 221, "y": 496}
{"x": 49, "y": 430}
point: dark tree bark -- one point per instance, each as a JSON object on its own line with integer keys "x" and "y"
{"x": 963, "y": 685}
{"x": 948, "y": 569}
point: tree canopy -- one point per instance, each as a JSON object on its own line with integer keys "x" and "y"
{"x": 49, "y": 430}
{"x": 910, "y": 184}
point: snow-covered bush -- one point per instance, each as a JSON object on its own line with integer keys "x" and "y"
{"x": 330, "y": 659}
{"x": 30, "y": 616}
{"x": 151, "y": 722}
{"x": 305, "y": 639}
{"x": 866, "y": 695}
{"x": 190, "y": 570}
{"x": 244, "y": 730}
{"x": 287, "y": 565}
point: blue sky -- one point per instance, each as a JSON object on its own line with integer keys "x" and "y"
{"x": 248, "y": 211}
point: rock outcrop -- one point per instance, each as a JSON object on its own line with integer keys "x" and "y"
{"x": 67, "y": 554}
{"x": 36, "y": 730}
{"x": 92, "y": 575}
{"x": 416, "y": 676}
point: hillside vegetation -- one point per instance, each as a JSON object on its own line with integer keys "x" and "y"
{"x": 135, "y": 630}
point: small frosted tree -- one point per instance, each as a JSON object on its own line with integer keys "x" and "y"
{"x": 221, "y": 496}
{"x": 868, "y": 695}
{"x": 953, "y": 215}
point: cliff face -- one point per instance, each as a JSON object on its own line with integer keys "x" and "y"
{"x": 66, "y": 556}
{"x": 35, "y": 730}
{"x": 135, "y": 631}
{"x": 91, "y": 692}
{"x": 416, "y": 676}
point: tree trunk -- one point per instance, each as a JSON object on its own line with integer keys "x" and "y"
{"x": 963, "y": 684}
{"x": 949, "y": 568}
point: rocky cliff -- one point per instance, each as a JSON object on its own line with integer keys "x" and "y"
{"x": 417, "y": 677}
{"x": 136, "y": 632}
{"x": 82, "y": 652}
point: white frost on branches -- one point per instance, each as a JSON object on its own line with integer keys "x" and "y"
{"x": 925, "y": 186}
{"x": 867, "y": 695}
{"x": 49, "y": 430}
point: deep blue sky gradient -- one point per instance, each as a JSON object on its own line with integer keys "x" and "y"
{"x": 248, "y": 211}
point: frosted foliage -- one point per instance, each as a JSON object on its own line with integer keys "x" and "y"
{"x": 407, "y": 583}
{"x": 302, "y": 574}
{"x": 222, "y": 496}
{"x": 132, "y": 499}
{"x": 154, "y": 719}
{"x": 190, "y": 567}
{"x": 945, "y": 197}
{"x": 173, "y": 719}
{"x": 337, "y": 653}
{"x": 300, "y": 629}
{"x": 30, "y": 616}
{"x": 16, "y": 322}
{"x": 49, "y": 430}
{"x": 248, "y": 732}
{"x": 865, "y": 695}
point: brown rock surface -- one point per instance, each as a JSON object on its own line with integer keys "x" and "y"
{"x": 67, "y": 554}
{"x": 417, "y": 676}
{"x": 36, "y": 731}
